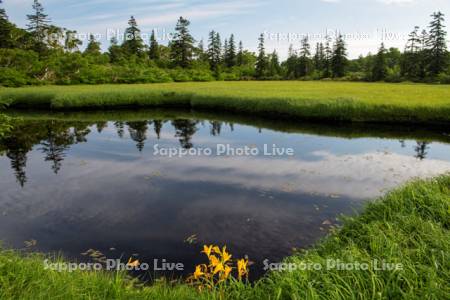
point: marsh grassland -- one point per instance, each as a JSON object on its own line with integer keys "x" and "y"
{"x": 330, "y": 101}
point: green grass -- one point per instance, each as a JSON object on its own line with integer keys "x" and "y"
{"x": 409, "y": 226}
{"x": 349, "y": 131}
{"x": 331, "y": 101}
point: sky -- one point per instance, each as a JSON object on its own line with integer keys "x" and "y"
{"x": 364, "y": 23}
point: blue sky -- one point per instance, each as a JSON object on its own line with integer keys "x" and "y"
{"x": 364, "y": 22}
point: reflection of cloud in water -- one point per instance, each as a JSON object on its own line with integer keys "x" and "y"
{"x": 359, "y": 176}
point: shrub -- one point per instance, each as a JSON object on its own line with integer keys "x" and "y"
{"x": 201, "y": 75}
{"x": 180, "y": 75}
{"x": 12, "y": 78}
{"x": 444, "y": 78}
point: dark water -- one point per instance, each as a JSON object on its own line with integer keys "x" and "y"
{"x": 72, "y": 183}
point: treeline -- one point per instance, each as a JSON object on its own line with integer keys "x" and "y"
{"x": 47, "y": 54}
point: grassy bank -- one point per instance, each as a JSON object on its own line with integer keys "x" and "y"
{"x": 409, "y": 226}
{"x": 331, "y": 101}
{"x": 348, "y": 130}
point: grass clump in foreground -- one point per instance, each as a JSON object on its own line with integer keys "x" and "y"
{"x": 332, "y": 101}
{"x": 409, "y": 226}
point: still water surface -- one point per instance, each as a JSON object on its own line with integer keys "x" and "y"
{"x": 72, "y": 183}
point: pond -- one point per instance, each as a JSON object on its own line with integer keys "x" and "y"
{"x": 125, "y": 185}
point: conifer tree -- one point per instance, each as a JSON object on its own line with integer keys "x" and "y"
{"x": 133, "y": 44}
{"x": 437, "y": 45}
{"x": 214, "y": 50}
{"x": 327, "y": 73}
{"x": 274, "y": 64}
{"x": 93, "y": 47}
{"x": 71, "y": 42}
{"x": 230, "y": 56}
{"x": 339, "y": 59}
{"x": 379, "y": 70}
{"x": 240, "y": 55}
{"x": 261, "y": 62}
{"x": 5, "y": 29}
{"x": 154, "y": 52}
{"x": 37, "y": 26}
{"x": 291, "y": 63}
{"x": 115, "y": 51}
{"x": 182, "y": 44}
{"x": 304, "y": 62}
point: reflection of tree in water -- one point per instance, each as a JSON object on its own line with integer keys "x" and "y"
{"x": 53, "y": 147}
{"x": 421, "y": 150}
{"x": 158, "y": 124}
{"x": 120, "y": 127}
{"x": 402, "y": 143}
{"x": 185, "y": 129}
{"x": 55, "y": 137}
{"x": 18, "y": 159}
{"x": 100, "y": 126}
{"x": 216, "y": 127}
{"x": 59, "y": 138}
{"x": 138, "y": 133}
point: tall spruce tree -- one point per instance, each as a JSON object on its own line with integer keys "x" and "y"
{"x": 437, "y": 45}
{"x": 93, "y": 47}
{"x": 240, "y": 55}
{"x": 5, "y": 30}
{"x": 274, "y": 64}
{"x": 115, "y": 51}
{"x": 182, "y": 45}
{"x": 291, "y": 63}
{"x": 225, "y": 51}
{"x": 214, "y": 50}
{"x": 133, "y": 44}
{"x": 230, "y": 55}
{"x": 379, "y": 70}
{"x": 261, "y": 62}
{"x": 71, "y": 42}
{"x": 38, "y": 24}
{"x": 154, "y": 52}
{"x": 339, "y": 59}
{"x": 304, "y": 59}
{"x": 327, "y": 72}
{"x": 413, "y": 57}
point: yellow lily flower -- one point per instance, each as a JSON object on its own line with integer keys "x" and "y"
{"x": 214, "y": 261}
{"x": 132, "y": 263}
{"x": 219, "y": 268}
{"x": 225, "y": 255}
{"x": 199, "y": 271}
{"x": 216, "y": 249}
{"x": 242, "y": 267}
{"x": 226, "y": 272}
{"x": 207, "y": 250}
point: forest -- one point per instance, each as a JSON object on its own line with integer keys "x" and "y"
{"x": 45, "y": 53}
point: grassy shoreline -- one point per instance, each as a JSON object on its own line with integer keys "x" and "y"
{"x": 410, "y": 225}
{"x": 346, "y": 130}
{"x": 325, "y": 101}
